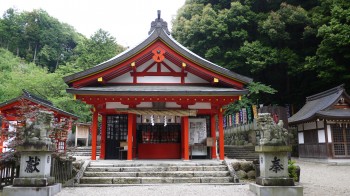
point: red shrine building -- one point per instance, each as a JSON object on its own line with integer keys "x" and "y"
{"x": 11, "y": 117}
{"x": 158, "y": 100}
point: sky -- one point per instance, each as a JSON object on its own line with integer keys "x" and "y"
{"x": 128, "y": 21}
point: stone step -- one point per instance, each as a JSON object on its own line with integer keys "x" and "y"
{"x": 159, "y": 174}
{"x": 152, "y": 180}
{"x": 151, "y": 164}
{"x": 100, "y": 168}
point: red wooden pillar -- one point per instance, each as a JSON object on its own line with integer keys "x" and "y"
{"x": 103, "y": 137}
{"x": 94, "y": 134}
{"x": 221, "y": 134}
{"x": 130, "y": 138}
{"x": 134, "y": 135}
{"x": 213, "y": 135}
{"x": 3, "y": 127}
{"x": 185, "y": 138}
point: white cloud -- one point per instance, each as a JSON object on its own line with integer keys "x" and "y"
{"x": 128, "y": 21}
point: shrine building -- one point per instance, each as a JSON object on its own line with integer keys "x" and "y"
{"x": 9, "y": 111}
{"x": 323, "y": 125}
{"x": 158, "y": 100}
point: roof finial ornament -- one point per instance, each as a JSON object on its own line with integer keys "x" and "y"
{"x": 159, "y": 24}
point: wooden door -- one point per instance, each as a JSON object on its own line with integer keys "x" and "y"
{"x": 341, "y": 140}
{"x": 116, "y": 132}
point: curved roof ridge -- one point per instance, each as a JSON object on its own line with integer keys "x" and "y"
{"x": 326, "y": 93}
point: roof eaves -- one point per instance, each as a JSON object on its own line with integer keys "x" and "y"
{"x": 113, "y": 61}
{"x": 201, "y": 61}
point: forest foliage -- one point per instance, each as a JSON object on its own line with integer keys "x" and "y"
{"x": 297, "y": 47}
{"x": 36, "y": 51}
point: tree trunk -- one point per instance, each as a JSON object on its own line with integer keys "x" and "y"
{"x": 34, "y": 57}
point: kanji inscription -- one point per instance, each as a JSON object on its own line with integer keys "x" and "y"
{"x": 32, "y": 164}
{"x": 276, "y": 165}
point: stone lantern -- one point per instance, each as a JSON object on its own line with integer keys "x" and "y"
{"x": 273, "y": 158}
{"x": 35, "y": 163}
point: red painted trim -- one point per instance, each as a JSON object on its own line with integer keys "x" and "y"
{"x": 158, "y": 68}
{"x": 148, "y": 67}
{"x": 185, "y": 138}
{"x": 103, "y": 137}
{"x": 159, "y": 151}
{"x": 94, "y": 135}
{"x": 221, "y": 135}
{"x": 168, "y": 67}
{"x": 134, "y": 144}
{"x": 100, "y": 99}
{"x": 213, "y": 135}
{"x": 174, "y": 74}
{"x": 174, "y": 56}
{"x": 130, "y": 130}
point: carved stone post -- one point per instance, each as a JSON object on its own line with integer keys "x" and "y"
{"x": 35, "y": 163}
{"x": 273, "y": 158}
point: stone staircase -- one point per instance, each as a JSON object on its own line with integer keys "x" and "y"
{"x": 82, "y": 151}
{"x": 155, "y": 172}
{"x": 241, "y": 152}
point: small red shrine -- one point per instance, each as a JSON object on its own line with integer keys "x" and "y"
{"x": 158, "y": 100}
{"x": 10, "y": 117}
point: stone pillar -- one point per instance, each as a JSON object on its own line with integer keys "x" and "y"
{"x": 35, "y": 163}
{"x": 274, "y": 166}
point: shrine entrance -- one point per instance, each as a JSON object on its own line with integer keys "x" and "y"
{"x": 116, "y": 133}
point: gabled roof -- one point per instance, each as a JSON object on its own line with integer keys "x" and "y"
{"x": 161, "y": 90}
{"x": 159, "y": 31}
{"x": 320, "y": 106}
{"x": 38, "y": 100}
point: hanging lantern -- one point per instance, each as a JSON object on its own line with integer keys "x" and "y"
{"x": 152, "y": 120}
{"x": 165, "y": 121}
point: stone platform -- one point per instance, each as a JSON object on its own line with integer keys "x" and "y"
{"x": 37, "y": 191}
{"x": 276, "y": 190}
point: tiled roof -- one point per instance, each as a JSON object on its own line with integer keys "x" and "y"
{"x": 157, "y": 90}
{"x": 319, "y": 105}
{"x": 158, "y": 31}
{"x": 37, "y": 99}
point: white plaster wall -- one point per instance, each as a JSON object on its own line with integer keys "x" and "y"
{"x": 112, "y": 105}
{"x": 329, "y": 133}
{"x": 144, "y": 105}
{"x": 310, "y": 125}
{"x": 200, "y": 106}
{"x": 320, "y": 124}
{"x": 172, "y": 65}
{"x": 321, "y": 136}
{"x": 158, "y": 79}
{"x": 301, "y": 138}
{"x": 191, "y": 78}
{"x": 172, "y": 105}
{"x": 144, "y": 66}
{"x": 125, "y": 78}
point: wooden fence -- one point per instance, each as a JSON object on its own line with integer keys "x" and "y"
{"x": 61, "y": 169}
{"x": 8, "y": 171}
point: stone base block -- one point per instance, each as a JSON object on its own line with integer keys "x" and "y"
{"x": 37, "y": 191}
{"x": 276, "y": 190}
{"x": 274, "y": 181}
{"x": 33, "y": 182}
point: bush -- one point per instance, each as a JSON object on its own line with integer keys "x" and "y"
{"x": 293, "y": 170}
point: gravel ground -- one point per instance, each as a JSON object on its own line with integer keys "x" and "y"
{"x": 318, "y": 179}
{"x": 325, "y": 179}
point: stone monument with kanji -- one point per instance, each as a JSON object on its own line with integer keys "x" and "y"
{"x": 35, "y": 162}
{"x": 273, "y": 158}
